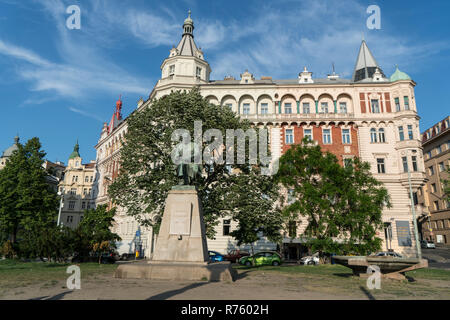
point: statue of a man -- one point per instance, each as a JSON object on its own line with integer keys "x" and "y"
{"x": 187, "y": 171}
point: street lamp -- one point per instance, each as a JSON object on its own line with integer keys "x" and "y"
{"x": 60, "y": 207}
{"x": 416, "y": 233}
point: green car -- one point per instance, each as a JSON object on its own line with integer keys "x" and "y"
{"x": 261, "y": 259}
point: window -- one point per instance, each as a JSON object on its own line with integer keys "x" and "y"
{"x": 347, "y": 162}
{"x": 436, "y": 205}
{"x": 414, "y": 163}
{"x": 86, "y": 179}
{"x": 405, "y": 164}
{"x": 373, "y": 135}
{"x": 401, "y": 134}
{"x": 406, "y": 100}
{"x": 410, "y": 132}
{"x": 324, "y": 107}
{"x": 381, "y": 135}
{"x": 92, "y": 179}
{"x": 306, "y": 109}
{"x": 198, "y": 72}
{"x": 226, "y": 227}
{"x": 69, "y": 219}
{"x": 171, "y": 70}
{"x": 229, "y": 105}
{"x": 375, "y": 106}
{"x": 290, "y": 196}
{"x": 88, "y": 205}
{"x": 433, "y": 187}
{"x": 83, "y": 205}
{"x": 380, "y": 165}
{"x": 397, "y": 104}
{"x": 429, "y": 154}
{"x": 287, "y": 108}
{"x": 73, "y": 191}
{"x": 431, "y": 170}
{"x": 308, "y": 133}
{"x": 441, "y": 167}
{"x": 438, "y": 149}
{"x": 90, "y": 191}
{"x": 346, "y": 136}
{"x": 246, "y": 109}
{"x": 264, "y": 108}
{"x": 438, "y": 129}
{"x": 71, "y": 205}
{"x": 343, "y": 107}
{"x": 292, "y": 229}
{"x": 289, "y": 136}
{"x": 326, "y": 136}
{"x": 84, "y": 191}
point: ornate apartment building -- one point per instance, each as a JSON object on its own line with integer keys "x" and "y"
{"x": 369, "y": 116}
{"x": 435, "y": 220}
{"x": 77, "y": 189}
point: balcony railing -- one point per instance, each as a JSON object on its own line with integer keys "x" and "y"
{"x": 297, "y": 116}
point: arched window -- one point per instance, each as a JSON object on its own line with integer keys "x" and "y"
{"x": 381, "y": 135}
{"x": 373, "y": 135}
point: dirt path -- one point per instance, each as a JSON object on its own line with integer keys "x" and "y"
{"x": 250, "y": 285}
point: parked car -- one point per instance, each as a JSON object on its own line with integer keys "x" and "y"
{"x": 215, "y": 256}
{"x": 310, "y": 260}
{"x": 262, "y": 258}
{"x": 388, "y": 254}
{"x": 235, "y": 255}
{"x": 425, "y": 244}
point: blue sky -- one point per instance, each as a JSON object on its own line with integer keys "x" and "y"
{"x": 60, "y": 84}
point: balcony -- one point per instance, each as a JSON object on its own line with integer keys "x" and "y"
{"x": 277, "y": 117}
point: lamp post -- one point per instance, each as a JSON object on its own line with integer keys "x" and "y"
{"x": 416, "y": 233}
{"x": 60, "y": 207}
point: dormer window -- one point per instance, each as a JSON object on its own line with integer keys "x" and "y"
{"x": 171, "y": 70}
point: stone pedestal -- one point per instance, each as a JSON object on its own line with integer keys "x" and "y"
{"x": 181, "y": 251}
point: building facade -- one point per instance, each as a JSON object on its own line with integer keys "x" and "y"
{"x": 8, "y": 152}
{"x": 435, "y": 220}
{"x": 77, "y": 189}
{"x": 368, "y": 116}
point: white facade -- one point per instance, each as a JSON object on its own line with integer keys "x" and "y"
{"x": 366, "y": 102}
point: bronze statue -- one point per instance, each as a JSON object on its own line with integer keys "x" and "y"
{"x": 188, "y": 171}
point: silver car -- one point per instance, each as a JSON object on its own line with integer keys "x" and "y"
{"x": 427, "y": 244}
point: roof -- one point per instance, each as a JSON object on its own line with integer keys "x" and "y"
{"x": 366, "y": 64}
{"x": 399, "y": 75}
{"x": 8, "y": 152}
{"x": 75, "y": 153}
{"x": 187, "y": 46}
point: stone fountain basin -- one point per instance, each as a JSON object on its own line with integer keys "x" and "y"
{"x": 386, "y": 264}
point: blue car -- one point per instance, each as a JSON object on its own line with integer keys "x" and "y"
{"x": 214, "y": 256}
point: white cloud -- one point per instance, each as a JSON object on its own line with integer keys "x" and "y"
{"x": 86, "y": 114}
{"x": 83, "y": 69}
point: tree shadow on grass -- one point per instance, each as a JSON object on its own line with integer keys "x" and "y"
{"x": 168, "y": 294}
{"x": 367, "y": 293}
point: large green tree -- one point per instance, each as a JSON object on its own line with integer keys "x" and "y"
{"x": 94, "y": 233}
{"x": 26, "y": 199}
{"x": 342, "y": 206}
{"x": 147, "y": 170}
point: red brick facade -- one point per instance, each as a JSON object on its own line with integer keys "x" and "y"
{"x": 336, "y": 147}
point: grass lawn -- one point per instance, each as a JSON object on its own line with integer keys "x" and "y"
{"x": 16, "y": 274}
{"x": 423, "y": 283}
